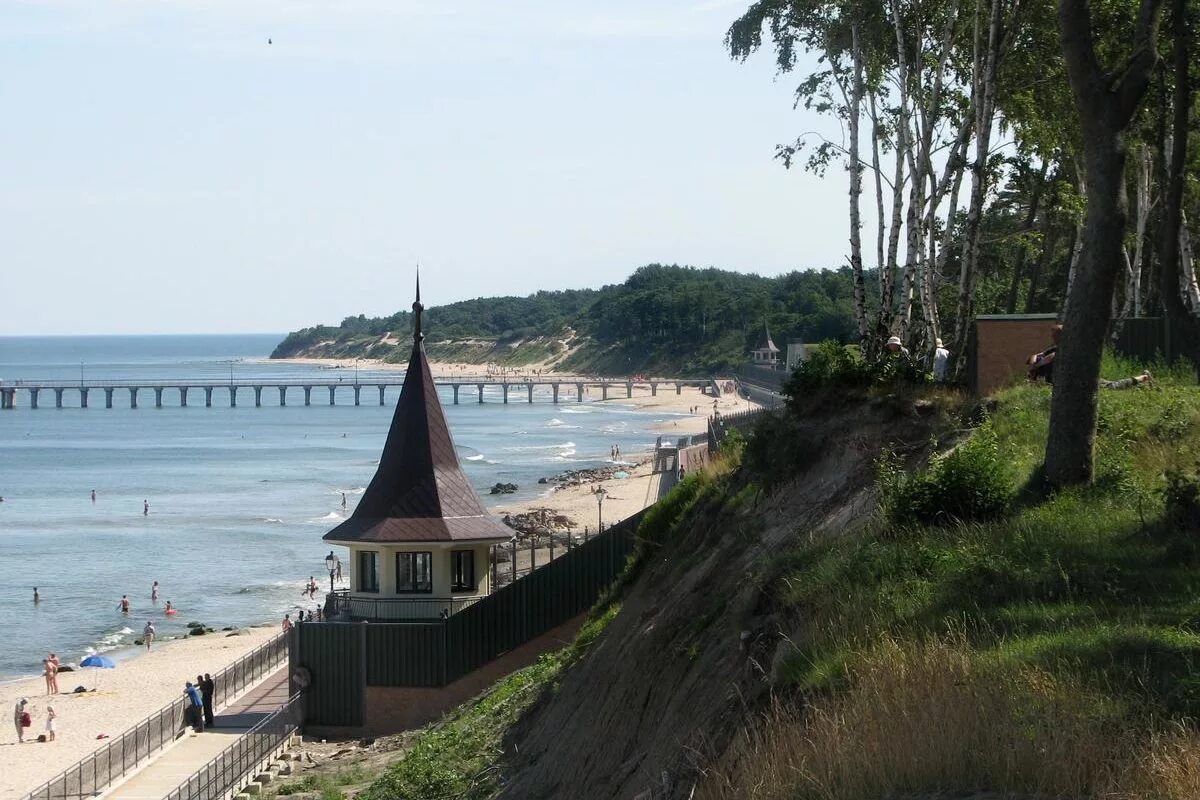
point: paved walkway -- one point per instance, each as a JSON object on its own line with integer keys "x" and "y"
{"x": 183, "y": 759}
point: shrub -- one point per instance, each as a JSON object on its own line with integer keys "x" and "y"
{"x": 829, "y": 364}
{"x": 967, "y": 483}
{"x": 1181, "y": 500}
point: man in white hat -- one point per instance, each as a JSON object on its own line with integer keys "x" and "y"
{"x": 894, "y": 346}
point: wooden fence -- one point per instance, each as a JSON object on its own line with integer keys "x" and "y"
{"x": 343, "y": 658}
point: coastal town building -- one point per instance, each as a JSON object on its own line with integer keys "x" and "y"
{"x": 766, "y": 354}
{"x": 420, "y": 537}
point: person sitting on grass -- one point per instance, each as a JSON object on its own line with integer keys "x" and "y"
{"x": 1041, "y": 365}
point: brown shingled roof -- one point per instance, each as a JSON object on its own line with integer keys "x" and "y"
{"x": 419, "y": 492}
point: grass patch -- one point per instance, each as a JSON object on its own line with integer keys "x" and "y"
{"x": 975, "y": 639}
{"x": 461, "y": 756}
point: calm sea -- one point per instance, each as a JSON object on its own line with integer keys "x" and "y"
{"x": 239, "y": 497}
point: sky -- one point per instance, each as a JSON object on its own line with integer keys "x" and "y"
{"x": 163, "y": 169}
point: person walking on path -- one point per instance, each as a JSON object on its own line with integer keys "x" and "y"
{"x": 51, "y": 727}
{"x": 205, "y": 682}
{"x": 195, "y": 708}
{"x": 21, "y": 718}
{"x": 148, "y": 634}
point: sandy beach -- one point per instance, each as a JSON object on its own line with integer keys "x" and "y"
{"x": 136, "y": 688}
{"x": 627, "y": 496}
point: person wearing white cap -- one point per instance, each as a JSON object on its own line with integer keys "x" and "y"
{"x": 941, "y": 363}
{"x": 894, "y": 346}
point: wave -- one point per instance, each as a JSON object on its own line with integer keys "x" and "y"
{"x": 558, "y": 446}
{"x": 577, "y": 410}
{"x": 477, "y": 457}
{"x": 354, "y": 490}
{"x": 272, "y": 519}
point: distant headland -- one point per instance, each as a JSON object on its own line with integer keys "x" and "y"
{"x": 661, "y": 320}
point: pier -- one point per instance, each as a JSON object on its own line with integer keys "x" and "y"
{"x": 39, "y": 394}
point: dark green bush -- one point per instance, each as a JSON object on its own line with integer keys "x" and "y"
{"x": 967, "y": 483}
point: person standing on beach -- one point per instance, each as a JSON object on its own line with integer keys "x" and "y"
{"x": 123, "y": 606}
{"x": 206, "y": 697}
{"x": 148, "y": 634}
{"x": 154, "y": 593}
{"x": 54, "y": 665}
{"x": 51, "y": 728}
{"x": 287, "y": 623}
{"x": 48, "y": 674}
{"x": 343, "y": 501}
{"x": 21, "y": 719}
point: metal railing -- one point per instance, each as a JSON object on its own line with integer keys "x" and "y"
{"x": 125, "y": 753}
{"x": 398, "y": 609}
{"x": 237, "y": 763}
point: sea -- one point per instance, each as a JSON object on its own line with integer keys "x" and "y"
{"x": 239, "y": 498}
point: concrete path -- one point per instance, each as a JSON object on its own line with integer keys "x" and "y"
{"x": 183, "y": 759}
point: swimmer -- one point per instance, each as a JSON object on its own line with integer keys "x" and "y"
{"x": 123, "y": 606}
{"x": 170, "y": 609}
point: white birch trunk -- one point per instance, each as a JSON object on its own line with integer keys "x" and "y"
{"x": 855, "y": 108}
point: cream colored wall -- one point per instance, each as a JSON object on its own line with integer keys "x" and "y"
{"x": 441, "y": 569}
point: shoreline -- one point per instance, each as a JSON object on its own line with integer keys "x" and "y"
{"x": 139, "y": 686}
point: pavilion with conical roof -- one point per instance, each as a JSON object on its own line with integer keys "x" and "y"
{"x": 766, "y": 354}
{"x": 420, "y": 537}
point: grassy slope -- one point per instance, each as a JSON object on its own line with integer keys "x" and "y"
{"x": 1054, "y": 651}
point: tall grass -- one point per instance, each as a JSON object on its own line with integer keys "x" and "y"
{"x": 1073, "y": 666}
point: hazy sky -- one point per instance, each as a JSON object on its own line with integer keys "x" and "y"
{"x": 164, "y": 169}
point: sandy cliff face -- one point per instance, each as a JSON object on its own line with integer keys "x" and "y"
{"x": 689, "y": 657}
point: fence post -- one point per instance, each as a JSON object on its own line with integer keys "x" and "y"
{"x": 514, "y": 559}
{"x": 551, "y": 545}
{"x": 532, "y": 553}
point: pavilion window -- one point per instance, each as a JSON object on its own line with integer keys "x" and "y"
{"x": 414, "y": 573}
{"x": 368, "y": 571}
{"x": 462, "y": 570}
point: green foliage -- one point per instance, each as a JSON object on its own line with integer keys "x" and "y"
{"x": 328, "y": 786}
{"x": 968, "y": 483}
{"x": 666, "y": 319}
{"x": 1096, "y": 585}
{"x": 829, "y": 364}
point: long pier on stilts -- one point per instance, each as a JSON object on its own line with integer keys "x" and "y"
{"x": 42, "y": 394}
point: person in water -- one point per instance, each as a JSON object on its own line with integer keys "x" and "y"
{"x": 343, "y": 500}
{"x": 124, "y": 605}
{"x": 93, "y": 495}
{"x": 37, "y": 598}
{"x": 154, "y": 593}
{"x": 170, "y": 609}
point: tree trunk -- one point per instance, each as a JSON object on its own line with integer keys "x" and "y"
{"x": 856, "y": 267}
{"x": 1105, "y": 106}
{"x": 1049, "y": 243}
{"x": 983, "y": 89}
{"x": 1170, "y": 261}
{"x": 1022, "y": 252}
{"x": 1187, "y": 269}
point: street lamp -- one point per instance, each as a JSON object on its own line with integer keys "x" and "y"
{"x": 356, "y": 372}
{"x": 331, "y": 562}
{"x": 81, "y": 374}
{"x": 600, "y": 495}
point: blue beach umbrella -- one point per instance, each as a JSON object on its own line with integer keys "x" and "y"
{"x": 97, "y": 662}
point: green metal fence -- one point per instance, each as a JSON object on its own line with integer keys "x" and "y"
{"x": 343, "y": 658}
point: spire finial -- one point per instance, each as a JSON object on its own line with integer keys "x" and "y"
{"x": 417, "y": 309}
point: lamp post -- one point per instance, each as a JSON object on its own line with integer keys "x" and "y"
{"x": 356, "y": 372}
{"x": 600, "y": 495}
{"x": 331, "y": 564}
{"x": 81, "y": 374}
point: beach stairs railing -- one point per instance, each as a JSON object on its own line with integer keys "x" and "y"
{"x": 130, "y": 751}
{"x": 248, "y": 761}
